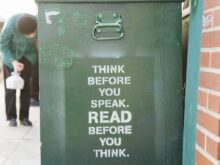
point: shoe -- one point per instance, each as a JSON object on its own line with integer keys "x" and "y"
{"x": 26, "y": 122}
{"x": 12, "y": 123}
{"x": 34, "y": 102}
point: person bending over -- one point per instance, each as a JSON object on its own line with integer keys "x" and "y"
{"x": 18, "y": 47}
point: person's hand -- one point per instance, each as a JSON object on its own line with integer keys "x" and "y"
{"x": 18, "y": 67}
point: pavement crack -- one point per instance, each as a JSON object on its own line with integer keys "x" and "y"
{"x": 26, "y": 132}
{"x": 11, "y": 154}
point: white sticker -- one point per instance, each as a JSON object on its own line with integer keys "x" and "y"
{"x": 49, "y": 14}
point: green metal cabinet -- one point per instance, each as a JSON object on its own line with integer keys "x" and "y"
{"x": 110, "y": 81}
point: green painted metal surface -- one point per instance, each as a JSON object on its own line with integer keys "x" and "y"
{"x": 142, "y": 121}
{"x": 192, "y": 82}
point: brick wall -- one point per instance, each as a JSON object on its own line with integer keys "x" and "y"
{"x": 208, "y": 117}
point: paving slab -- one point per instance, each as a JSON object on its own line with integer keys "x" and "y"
{"x": 19, "y": 145}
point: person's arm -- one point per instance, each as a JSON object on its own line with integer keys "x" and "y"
{"x": 5, "y": 40}
{"x": 18, "y": 66}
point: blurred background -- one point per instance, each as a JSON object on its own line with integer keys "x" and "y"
{"x": 19, "y": 6}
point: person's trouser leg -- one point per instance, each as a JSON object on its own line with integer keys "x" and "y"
{"x": 25, "y": 92}
{"x": 10, "y": 96}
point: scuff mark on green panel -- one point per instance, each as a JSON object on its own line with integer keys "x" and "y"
{"x": 193, "y": 62}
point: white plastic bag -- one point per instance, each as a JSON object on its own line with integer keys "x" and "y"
{"x": 15, "y": 81}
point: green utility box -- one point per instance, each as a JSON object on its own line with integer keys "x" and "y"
{"x": 110, "y": 82}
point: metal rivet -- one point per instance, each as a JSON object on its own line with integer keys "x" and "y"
{"x": 100, "y": 16}
{"x": 115, "y": 15}
{"x": 118, "y": 30}
{"x": 99, "y": 30}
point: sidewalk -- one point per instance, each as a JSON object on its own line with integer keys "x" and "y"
{"x": 19, "y": 145}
